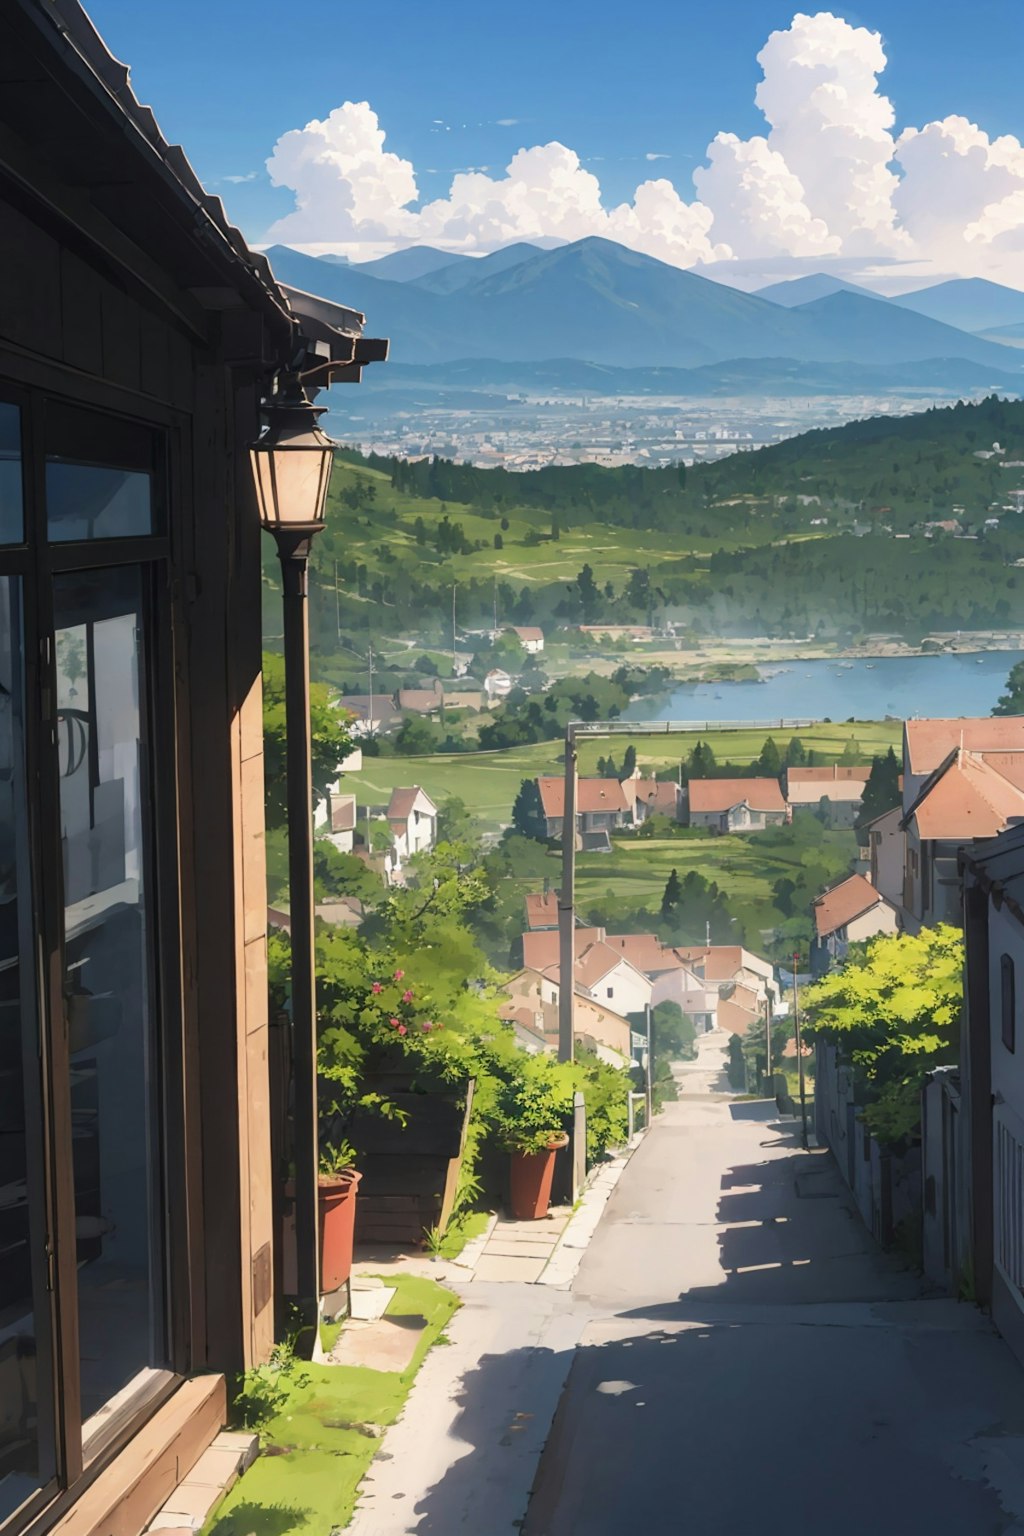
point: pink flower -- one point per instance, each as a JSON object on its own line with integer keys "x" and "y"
{"x": 426, "y": 1027}
{"x": 406, "y": 997}
{"x": 399, "y": 975}
{"x": 376, "y": 988}
{"x": 402, "y": 1029}
{"x": 396, "y": 1023}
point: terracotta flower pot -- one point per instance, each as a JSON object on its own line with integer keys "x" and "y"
{"x": 532, "y": 1173}
{"x": 337, "y": 1199}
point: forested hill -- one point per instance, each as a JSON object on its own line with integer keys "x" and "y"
{"x": 912, "y": 466}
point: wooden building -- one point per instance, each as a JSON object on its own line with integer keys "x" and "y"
{"x": 138, "y": 334}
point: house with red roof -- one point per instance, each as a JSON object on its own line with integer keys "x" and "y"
{"x": 736, "y": 805}
{"x": 845, "y": 914}
{"x": 970, "y": 798}
{"x": 601, "y": 805}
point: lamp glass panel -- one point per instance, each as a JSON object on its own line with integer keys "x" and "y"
{"x": 291, "y": 485}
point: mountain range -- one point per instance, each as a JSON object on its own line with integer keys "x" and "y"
{"x": 600, "y": 302}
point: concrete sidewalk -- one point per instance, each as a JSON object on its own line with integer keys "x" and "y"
{"x": 465, "y": 1452}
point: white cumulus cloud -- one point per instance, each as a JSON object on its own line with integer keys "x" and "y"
{"x": 830, "y": 179}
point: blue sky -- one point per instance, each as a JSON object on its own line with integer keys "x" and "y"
{"x": 614, "y": 83}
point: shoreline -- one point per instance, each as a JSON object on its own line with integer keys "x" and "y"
{"x": 715, "y": 660}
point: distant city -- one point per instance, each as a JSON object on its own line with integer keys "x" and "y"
{"x": 529, "y": 430}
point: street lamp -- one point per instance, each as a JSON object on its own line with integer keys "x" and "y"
{"x": 291, "y": 465}
{"x": 799, "y": 1051}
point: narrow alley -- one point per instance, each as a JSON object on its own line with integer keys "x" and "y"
{"x": 754, "y": 1363}
{"x": 734, "y": 1355}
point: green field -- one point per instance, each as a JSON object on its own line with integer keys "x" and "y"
{"x": 488, "y": 782}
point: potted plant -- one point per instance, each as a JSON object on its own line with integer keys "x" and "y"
{"x": 532, "y": 1104}
{"x": 337, "y": 1186}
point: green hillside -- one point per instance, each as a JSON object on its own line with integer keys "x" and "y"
{"x": 823, "y": 534}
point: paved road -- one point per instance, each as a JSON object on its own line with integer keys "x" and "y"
{"x": 753, "y": 1363}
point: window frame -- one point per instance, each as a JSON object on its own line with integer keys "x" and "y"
{"x": 37, "y": 562}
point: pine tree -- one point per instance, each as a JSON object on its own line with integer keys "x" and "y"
{"x": 796, "y": 753}
{"x": 770, "y": 761}
{"x": 702, "y": 761}
{"x": 628, "y": 762}
{"x": 882, "y": 790}
{"x": 528, "y": 813}
{"x": 670, "y": 897}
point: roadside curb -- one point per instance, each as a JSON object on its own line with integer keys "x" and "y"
{"x": 560, "y": 1270}
{"x": 471, "y": 1255}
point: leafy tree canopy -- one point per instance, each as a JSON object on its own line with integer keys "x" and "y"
{"x": 894, "y": 1011}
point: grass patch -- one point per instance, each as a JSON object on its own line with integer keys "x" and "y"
{"x": 460, "y": 1233}
{"x": 324, "y": 1434}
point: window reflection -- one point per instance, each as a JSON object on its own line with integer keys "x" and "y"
{"x": 104, "y": 803}
{"x": 12, "y": 522}
{"x": 25, "y": 1442}
{"x": 99, "y": 476}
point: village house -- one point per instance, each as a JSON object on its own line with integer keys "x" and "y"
{"x": 735, "y": 805}
{"x": 421, "y": 701}
{"x": 139, "y": 335}
{"x": 672, "y": 978}
{"x": 887, "y": 854}
{"x": 370, "y": 714}
{"x": 497, "y": 684}
{"x": 659, "y": 797}
{"x": 412, "y": 818}
{"x": 601, "y": 805}
{"x": 837, "y": 792}
{"x": 530, "y": 638}
{"x": 533, "y": 1007}
{"x": 970, "y": 798}
{"x": 845, "y": 914}
{"x": 542, "y": 910}
{"x": 340, "y": 824}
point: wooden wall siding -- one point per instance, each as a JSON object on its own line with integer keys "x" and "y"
{"x": 226, "y": 641}
{"x": 55, "y": 305}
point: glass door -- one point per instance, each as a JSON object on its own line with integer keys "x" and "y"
{"x": 109, "y": 943}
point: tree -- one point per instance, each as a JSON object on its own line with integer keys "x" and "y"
{"x": 418, "y": 737}
{"x": 671, "y": 894}
{"x": 454, "y": 822}
{"x": 330, "y": 738}
{"x": 1012, "y": 701}
{"x": 342, "y": 874}
{"x": 673, "y": 1033}
{"x": 588, "y": 592}
{"x": 770, "y": 761}
{"x": 882, "y": 790}
{"x": 499, "y": 542}
{"x": 701, "y": 761}
{"x": 894, "y": 1012}
{"x": 796, "y": 753}
{"x": 628, "y": 763}
{"x": 851, "y": 752}
{"x": 528, "y": 813}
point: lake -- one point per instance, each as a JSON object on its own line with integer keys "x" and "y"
{"x": 870, "y": 689}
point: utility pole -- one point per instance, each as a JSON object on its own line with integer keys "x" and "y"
{"x": 495, "y": 607}
{"x": 799, "y": 1053}
{"x": 454, "y": 661}
{"x": 337, "y": 600}
{"x": 649, "y": 1075}
{"x": 566, "y": 906}
{"x": 369, "y": 659}
{"x": 768, "y": 1037}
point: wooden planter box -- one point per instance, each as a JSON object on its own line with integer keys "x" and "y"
{"x": 411, "y": 1171}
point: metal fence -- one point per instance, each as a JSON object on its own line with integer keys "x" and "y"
{"x": 674, "y": 727}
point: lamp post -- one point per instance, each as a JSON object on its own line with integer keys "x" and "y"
{"x": 291, "y": 464}
{"x": 799, "y": 1053}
